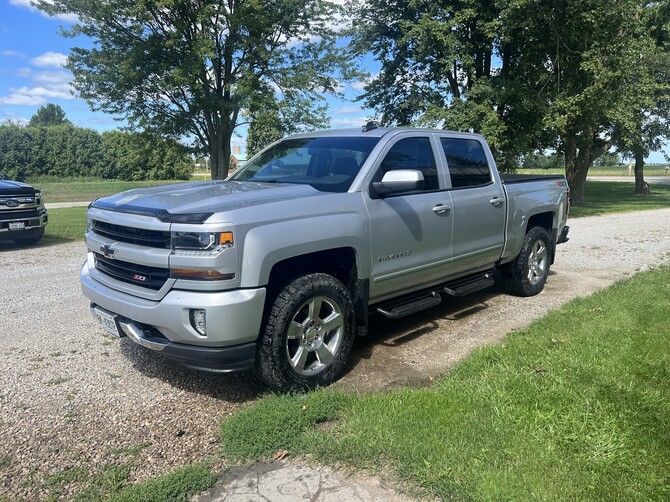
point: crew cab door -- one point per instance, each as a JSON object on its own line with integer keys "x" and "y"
{"x": 410, "y": 232}
{"x": 479, "y": 205}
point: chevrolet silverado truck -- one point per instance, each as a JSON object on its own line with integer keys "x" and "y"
{"x": 22, "y": 213}
{"x": 279, "y": 267}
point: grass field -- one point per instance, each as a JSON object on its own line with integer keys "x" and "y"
{"x": 605, "y": 197}
{"x": 82, "y": 190}
{"x": 575, "y": 407}
{"x": 603, "y": 171}
{"x": 66, "y": 224}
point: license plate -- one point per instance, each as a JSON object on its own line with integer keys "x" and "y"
{"x": 17, "y": 225}
{"x": 107, "y": 322}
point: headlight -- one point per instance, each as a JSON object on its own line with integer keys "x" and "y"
{"x": 214, "y": 242}
{"x": 38, "y": 198}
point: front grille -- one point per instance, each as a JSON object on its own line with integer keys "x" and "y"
{"x": 18, "y": 214}
{"x": 132, "y": 235}
{"x": 132, "y": 273}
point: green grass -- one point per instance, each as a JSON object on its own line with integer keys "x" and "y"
{"x": 655, "y": 170}
{"x": 66, "y": 224}
{"x": 111, "y": 483}
{"x": 86, "y": 189}
{"x": 604, "y": 197}
{"x": 575, "y": 407}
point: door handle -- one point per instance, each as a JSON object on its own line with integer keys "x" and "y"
{"x": 441, "y": 208}
{"x": 496, "y": 201}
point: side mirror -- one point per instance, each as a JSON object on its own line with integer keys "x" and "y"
{"x": 398, "y": 181}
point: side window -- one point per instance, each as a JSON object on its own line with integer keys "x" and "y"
{"x": 415, "y": 154}
{"x": 467, "y": 162}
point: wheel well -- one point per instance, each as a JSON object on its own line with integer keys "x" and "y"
{"x": 340, "y": 263}
{"x": 544, "y": 220}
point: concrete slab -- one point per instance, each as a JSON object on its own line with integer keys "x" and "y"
{"x": 291, "y": 482}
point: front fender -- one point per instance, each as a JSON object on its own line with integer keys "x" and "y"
{"x": 266, "y": 245}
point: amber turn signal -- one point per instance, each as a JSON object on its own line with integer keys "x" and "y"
{"x": 206, "y": 275}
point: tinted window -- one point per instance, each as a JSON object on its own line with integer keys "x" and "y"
{"x": 329, "y": 164}
{"x": 467, "y": 162}
{"x": 415, "y": 154}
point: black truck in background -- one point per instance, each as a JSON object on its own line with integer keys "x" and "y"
{"x": 23, "y": 216}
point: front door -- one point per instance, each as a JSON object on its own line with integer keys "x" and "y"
{"x": 410, "y": 233}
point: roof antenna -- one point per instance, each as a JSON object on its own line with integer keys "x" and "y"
{"x": 370, "y": 126}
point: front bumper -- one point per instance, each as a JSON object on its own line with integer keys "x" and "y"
{"x": 564, "y": 235}
{"x": 33, "y": 226}
{"x": 233, "y": 322}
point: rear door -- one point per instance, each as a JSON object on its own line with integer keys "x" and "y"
{"x": 410, "y": 233}
{"x": 479, "y": 204}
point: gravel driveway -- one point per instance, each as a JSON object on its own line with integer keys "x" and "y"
{"x": 71, "y": 397}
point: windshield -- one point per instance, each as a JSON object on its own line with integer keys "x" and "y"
{"x": 329, "y": 164}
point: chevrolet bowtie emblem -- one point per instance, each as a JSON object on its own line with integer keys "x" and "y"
{"x": 107, "y": 250}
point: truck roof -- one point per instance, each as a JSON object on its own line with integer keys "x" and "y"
{"x": 376, "y": 132}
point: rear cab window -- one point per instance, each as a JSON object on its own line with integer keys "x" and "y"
{"x": 466, "y": 161}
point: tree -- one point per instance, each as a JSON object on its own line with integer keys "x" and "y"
{"x": 271, "y": 118}
{"x": 48, "y": 115}
{"x": 647, "y": 125}
{"x": 574, "y": 77}
{"x": 189, "y": 67}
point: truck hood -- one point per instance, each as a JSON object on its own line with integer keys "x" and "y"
{"x": 195, "y": 202}
{"x": 15, "y": 188}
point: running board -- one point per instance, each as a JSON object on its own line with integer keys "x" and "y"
{"x": 465, "y": 288}
{"x": 404, "y": 309}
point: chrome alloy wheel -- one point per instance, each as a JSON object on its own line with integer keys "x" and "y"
{"x": 315, "y": 335}
{"x": 538, "y": 262}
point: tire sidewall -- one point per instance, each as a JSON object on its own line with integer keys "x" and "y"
{"x": 273, "y": 365}
{"x": 518, "y": 281}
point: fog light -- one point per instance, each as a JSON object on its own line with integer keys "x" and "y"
{"x": 198, "y": 320}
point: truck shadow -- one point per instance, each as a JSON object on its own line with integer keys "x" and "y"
{"x": 396, "y": 333}
{"x": 237, "y": 387}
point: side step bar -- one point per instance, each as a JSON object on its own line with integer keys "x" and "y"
{"x": 421, "y": 301}
{"x": 431, "y": 300}
{"x": 470, "y": 286}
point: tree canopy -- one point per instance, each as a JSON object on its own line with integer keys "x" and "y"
{"x": 48, "y": 115}
{"x": 576, "y": 77}
{"x": 191, "y": 67}
{"x": 68, "y": 151}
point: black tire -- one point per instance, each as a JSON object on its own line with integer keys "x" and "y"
{"x": 527, "y": 274}
{"x": 294, "y": 328}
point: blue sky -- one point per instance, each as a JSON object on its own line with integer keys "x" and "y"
{"x": 31, "y": 56}
{"x": 32, "y": 52}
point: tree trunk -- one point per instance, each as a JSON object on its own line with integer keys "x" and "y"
{"x": 577, "y": 164}
{"x": 641, "y": 187}
{"x": 219, "y": 155}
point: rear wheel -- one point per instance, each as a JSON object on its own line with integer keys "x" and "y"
{"x": 528, "y": 273}
{"x": 308, "y": 334}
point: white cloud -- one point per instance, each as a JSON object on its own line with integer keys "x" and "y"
{"x": 50, "y": 59}
{"x": 53, "y": 77}
{"x": 31, "y": 96}
{"x": 12, "y": 54}
{"x": 26, "y": 4}
{"x": 348, "y": 122}
{"x": 347, "y": 110}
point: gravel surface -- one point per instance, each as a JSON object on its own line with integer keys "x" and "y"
{"x": 71, "y": 397}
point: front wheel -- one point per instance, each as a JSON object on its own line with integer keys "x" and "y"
{"x": 308, "y": 334}
{"x": 528, "y": 273}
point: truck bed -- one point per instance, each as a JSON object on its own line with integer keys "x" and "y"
{"x": 510, "y": 179}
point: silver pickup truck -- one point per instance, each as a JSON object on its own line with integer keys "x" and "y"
{"x": 279, "y": 267}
